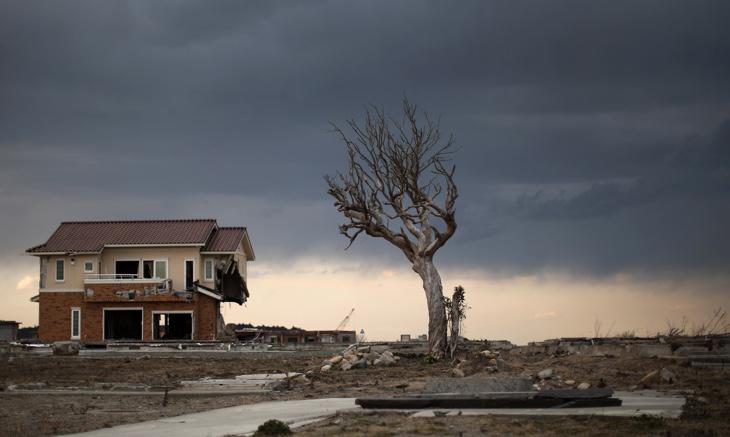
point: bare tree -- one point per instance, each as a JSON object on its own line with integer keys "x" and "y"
{"x": 399, "y": 186}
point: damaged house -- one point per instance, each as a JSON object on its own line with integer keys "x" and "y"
{"x": 139, "y": 280}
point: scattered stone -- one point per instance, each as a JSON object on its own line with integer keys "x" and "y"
{"x": 336, "y": 359}
{"x": 326, "y": 368}
{"x": 569, "y": 382}
{"x": 545, "y": 374}
{"x": 493, "y": 362}
{"x": 66, "y": 348}
{"x": 492, "y": 369}
{"x": 363, "y": 349}
{"x": 458, "y": 372}
{"x": 583, "y": 386}
{"x": 649, "y": 379}
{"x": 667, "y": 376}
{"x": 345, "y": 365}
{"x": 360, "y": 364}
{"x": 503, "y": 365}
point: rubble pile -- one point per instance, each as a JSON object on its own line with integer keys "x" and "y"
{"x": 360, "y": 357}
{"x": 549, "y": 379}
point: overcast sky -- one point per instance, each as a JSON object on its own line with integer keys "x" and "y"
{"x": 594, "y": 136}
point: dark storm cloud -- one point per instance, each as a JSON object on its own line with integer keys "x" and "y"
{"x": 586, "y": 127}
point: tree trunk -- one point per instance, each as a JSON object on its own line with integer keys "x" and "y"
{"x": 435, "y": 300}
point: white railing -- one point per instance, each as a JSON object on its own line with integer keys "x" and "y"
{"x": 118, "y": 277}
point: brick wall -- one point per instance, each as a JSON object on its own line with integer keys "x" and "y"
{"x": 55, "y": 315}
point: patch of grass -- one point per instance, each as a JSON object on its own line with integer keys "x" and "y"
{"x": 273, "y": 427}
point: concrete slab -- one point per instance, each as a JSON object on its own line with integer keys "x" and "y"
{"x": 234, "y": 420}
{"x": 471, "y": 385}
{"x": 649, "y": 402}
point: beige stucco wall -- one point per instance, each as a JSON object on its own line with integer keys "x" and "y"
{"x": 74, "y": 271}
{"x": 175, "y": 257}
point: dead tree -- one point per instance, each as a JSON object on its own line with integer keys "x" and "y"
{"x": 399, "y": 186}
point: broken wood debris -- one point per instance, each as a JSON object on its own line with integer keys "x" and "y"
{"x": 562, "y": 398}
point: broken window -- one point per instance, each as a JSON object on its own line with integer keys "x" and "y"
{"x": 172, "y": 326}
{"x": 126, "y": 269}
{"x": 122, "y": 324}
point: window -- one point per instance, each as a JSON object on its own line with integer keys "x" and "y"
{"x": 60, "y": 271}
{"x": 126, "y": 269}
{"x": 75, "y": 323}
{"x": 88, "y": 267}
{"x": 148, "y": 269}
{"x": 154, "y": 269}
{"x": 161, "y": 269}
{"x": 208, "y": 269}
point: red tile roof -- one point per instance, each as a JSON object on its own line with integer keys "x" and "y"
{"x": 93, "y": 236}
{"x": 225, "y": 240}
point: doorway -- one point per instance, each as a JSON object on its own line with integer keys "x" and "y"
{"x": 189, "y": 269}
{"x": 172, "y": 326}
{"x": 122, "y": 324}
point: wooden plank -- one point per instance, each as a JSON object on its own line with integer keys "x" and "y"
{"x": 591, "y": 393}
{"x": 477, "y": 402}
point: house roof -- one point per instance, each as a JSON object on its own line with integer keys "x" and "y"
{"x": 93, "y": 236}
{"x": 225, "y": 240}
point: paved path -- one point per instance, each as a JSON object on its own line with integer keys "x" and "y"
{"x": 246, "y": 418}
{"x": 233, "y": 420}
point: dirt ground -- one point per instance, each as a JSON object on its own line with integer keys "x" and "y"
{"x": 706, "y": 413}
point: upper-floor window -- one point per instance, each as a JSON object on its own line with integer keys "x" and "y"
{"x": 88, "y": 267}
{"x": 208, "y": 267}
{"x": 154, "y": 269}
{"x": 60, "y": 270}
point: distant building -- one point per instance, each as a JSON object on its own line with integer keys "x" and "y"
{"x": 8, "y": 330}
{"x": 295, "y": 336}
{"x": 405, "y": 337}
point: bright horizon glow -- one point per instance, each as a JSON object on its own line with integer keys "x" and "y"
{"x": 318, "y": 294}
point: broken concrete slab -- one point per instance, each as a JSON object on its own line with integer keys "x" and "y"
{"x": 471, "y": 385}
{"x": 654, "y": 350}
{"x": 254, "y": 383}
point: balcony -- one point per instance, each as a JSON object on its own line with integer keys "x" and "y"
{"x": 119, "y": 278}
{"x": 111, "y": 287}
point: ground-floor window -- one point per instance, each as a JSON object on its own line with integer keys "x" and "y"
{"x": 75, "y": 323}
{"x": 123, "y": 324}
{"x": 172, "y": 325}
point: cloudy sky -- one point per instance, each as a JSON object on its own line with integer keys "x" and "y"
{"x": 594, "y": 160}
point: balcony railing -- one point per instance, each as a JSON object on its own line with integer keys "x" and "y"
{"x": 99, "y": 278}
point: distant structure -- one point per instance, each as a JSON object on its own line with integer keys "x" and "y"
{"x": 405, "y": 337}
{"x": 294, "y": 336}
{"x": 8, "y": 330}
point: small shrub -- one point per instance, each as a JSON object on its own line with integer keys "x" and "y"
{"x": 273, "y": 427}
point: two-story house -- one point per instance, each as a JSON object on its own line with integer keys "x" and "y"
{"x": 139, "y": 280}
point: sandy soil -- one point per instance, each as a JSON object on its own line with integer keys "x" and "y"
{"x": 707, "y": 411}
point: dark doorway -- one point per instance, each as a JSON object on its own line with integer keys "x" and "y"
{"x": 124, "y": 269}
{"x": 189, "y": 267}
{"x": 172, "y": 326}
{"x": 122, "y": 324}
